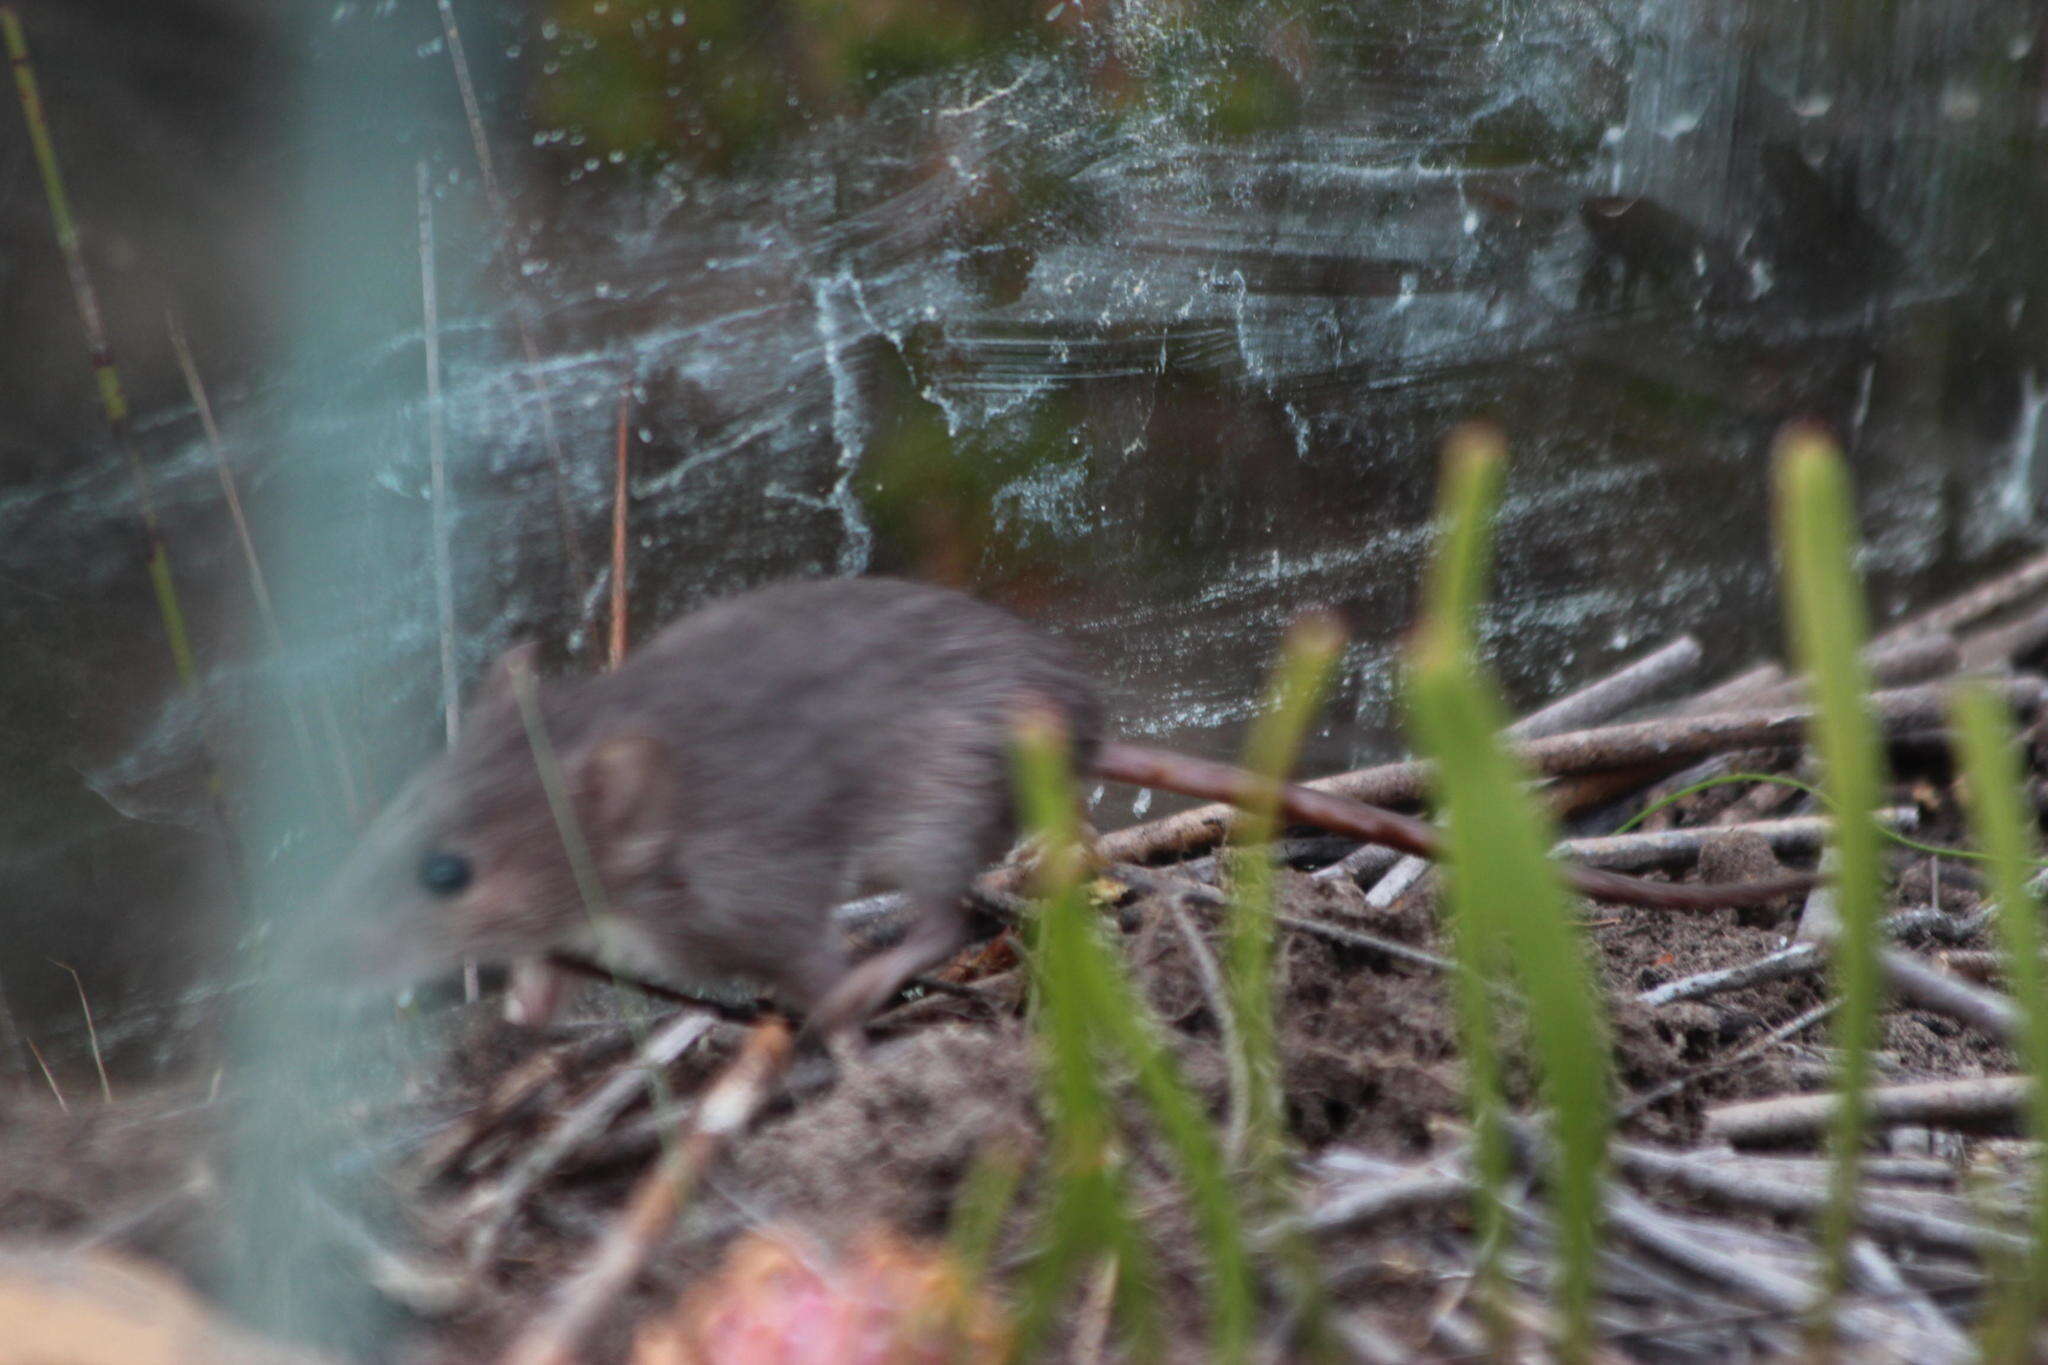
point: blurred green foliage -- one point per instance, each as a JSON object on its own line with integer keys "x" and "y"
{"x": 931, "y": 495}
{"x": 707, "y": 83}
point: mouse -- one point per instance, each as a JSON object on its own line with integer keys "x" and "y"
{"x": 756, "y": 763}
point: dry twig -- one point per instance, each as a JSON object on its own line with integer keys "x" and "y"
{"x": 1985, "y": 1102}
{"x": 725, "y": 1109}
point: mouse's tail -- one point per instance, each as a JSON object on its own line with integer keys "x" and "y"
{"x": 1207, "y": 780}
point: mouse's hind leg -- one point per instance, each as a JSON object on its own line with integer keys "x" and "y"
{"x": 939, "y": 932}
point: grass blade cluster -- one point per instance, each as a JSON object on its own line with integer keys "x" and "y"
{"x": 1302, "y": 674}
{"x": 1508, "y": 911}
{"x": 1299, "y": 679}
{"x": 1093, "y": 1024}
{"x": 1997, "y": 817}
{"x": 1826, "y": 622}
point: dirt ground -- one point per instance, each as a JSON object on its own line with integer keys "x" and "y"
{"x": 1371, "y": 1078}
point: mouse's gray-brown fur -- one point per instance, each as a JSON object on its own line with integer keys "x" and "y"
{"x": 755, "y": 764}
{"x": 751, "y": 766}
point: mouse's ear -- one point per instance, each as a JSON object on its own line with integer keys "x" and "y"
{"x": 522, "y": 658}
{"x": 625, "y": 786}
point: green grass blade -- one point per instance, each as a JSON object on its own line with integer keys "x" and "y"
{"x": 1475, "y": 464}
{"x": 105, "y": 376}
{"x": 1508, "y": 907}
{"x": 1086, "y": 1214}
{"x": 1826, "y": 621}
{"x": 1508, "y": 902}
{"x": 1997, "y": 816}
{"x": 1306, "y": 661}
{"x": 1301, "y": 675}
{"x": 1194, "y": 1142}
{"x": 1088, "y": 1007}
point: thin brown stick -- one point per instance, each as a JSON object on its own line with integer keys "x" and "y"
{"x": 1211, "y": 977}
{"x": 1666, "y": 1238}
{"x": 2025, "y": 580}
{"x": 724, "y": 1009}
{"x": 1599, "y": 701}
{"x": 1885, "y": 1216}
{"x": 1371, "y": 943}
{"x": 618, "y": 635}
{"x": 725, "y": 1110}
{"x": 259, "y": 582}
{"x": 1749, "y": 1051}
{"x": 92, "y": 1033}
{"x": 1900, "y": 663}
{"x": 1789, "y": 837}
{"x": 1980, "y": 965}
{"x": 55, "y": 1089}
{"x": 1091, "y": 1332}
{"x": 1907, "y": 710}
{"x": 1305, "y": 805}
{"x": 1179, "y": 890}
{"x": 437, "y": 464}
{"x": 1985, "y": 1102}
{"x": 1912, "y": 980}
{"x": 1797, "y": 960}
{"x": 496, "y": 1204}
{"x": 532, "y": 1086}
{"x": 1998, "y": 647}
{"x": 1740, "y": 690}
{"x": 114, "y": 406}
{"x": 1878, "y": 1277}
{"x": 1621, "y": 690}
{"x": 1357, "y": 1204}
{"x": 534, "y": 374}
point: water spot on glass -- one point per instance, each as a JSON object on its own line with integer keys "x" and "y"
{"x": 549, "y": 30}
{"x": 1678, "y": 125}
{"x": 675, "y": 17}
{"x": 432, "y": 47}
{"x": 1613, "y": 136}
{"x": 618, "y": 154}
{"x": 1961, "y": 102}
{"x": 1813, "y": 104}
{"x": 533, "y": 265}
{"x": 646, "y": 435}
{"x": 591, "y": 163}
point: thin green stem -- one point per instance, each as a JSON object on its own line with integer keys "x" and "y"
{"x": 1828, "y": 630}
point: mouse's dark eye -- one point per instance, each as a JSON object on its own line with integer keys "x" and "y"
{"x": 444, "y": 874}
